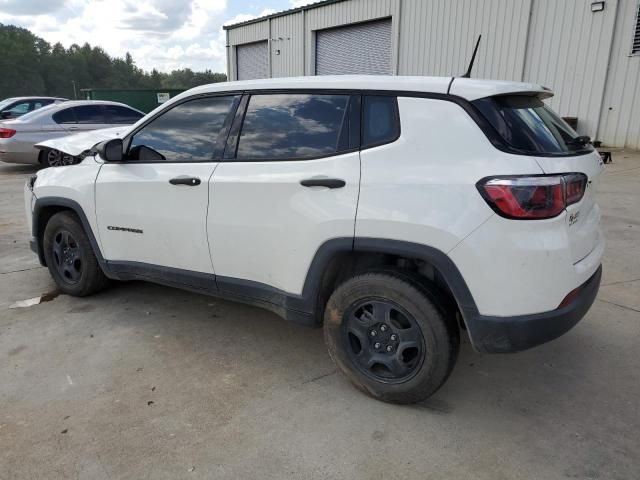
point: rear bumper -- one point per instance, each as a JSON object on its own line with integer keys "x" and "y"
{"x": 30, "y": 158}
{"x": 491, "y": 334}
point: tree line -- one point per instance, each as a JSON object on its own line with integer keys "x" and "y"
{"x": 29, "y": 65}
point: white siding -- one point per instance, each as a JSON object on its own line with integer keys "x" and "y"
{"x": 567, "y": 51}
{"x": 437, "y": 37}
{"x": 343, "y": 13}
{"x": 583, "y": 56}
{"x": 363, "y": 48}
{"x": 620, "y": 120}
{"x": 287, "y": 38}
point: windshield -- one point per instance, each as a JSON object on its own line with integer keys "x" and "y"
{"x": 37, "y": 112}
{"x": 5, "y": 102}
{"x": 528, "y": 125}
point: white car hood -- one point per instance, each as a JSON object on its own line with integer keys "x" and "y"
{"x": 81, "y": 142}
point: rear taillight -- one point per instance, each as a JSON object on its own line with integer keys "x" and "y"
{"x": 532, "y": 197}
{"x": 7, "y": 132}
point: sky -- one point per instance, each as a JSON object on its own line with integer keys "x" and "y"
{"x": 161, "y": 34}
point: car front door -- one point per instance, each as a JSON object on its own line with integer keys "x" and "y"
{"x": 289, "y": 183}
{"x": 152, "y": 207}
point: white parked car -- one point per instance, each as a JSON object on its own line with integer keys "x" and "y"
{"x": 15, "y": 107}
{"x": 18, "y": 136}
{"x": 398, "y": 212}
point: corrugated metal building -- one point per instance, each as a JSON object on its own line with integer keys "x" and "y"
{"x": 587, "y": 51}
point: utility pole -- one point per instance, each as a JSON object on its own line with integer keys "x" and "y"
{"x": 75, "y": 93}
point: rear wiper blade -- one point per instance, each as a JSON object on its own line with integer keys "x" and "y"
{"x": 583, "y": 140}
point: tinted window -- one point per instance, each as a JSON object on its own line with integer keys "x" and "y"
{"x": 187, "y": 132}
{"x": 292, "y": 126}
{"x": 20, "y": 108}
{"x": 527, "y": 124}
{"x": 64, "y": 116}
{"x": 89, "y": 114}
{"x": 118, "y": 114}
{"x": 381, "y": 120}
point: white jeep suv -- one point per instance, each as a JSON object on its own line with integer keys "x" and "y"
{"x": 395, "y": 211}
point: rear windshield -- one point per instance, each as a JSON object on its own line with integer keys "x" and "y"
{"x": 525, "y": 123}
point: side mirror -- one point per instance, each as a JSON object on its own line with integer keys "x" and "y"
{"x": 5, "y": 115}
{"x": 110, "y": 150}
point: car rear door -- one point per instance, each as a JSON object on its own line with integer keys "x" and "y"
{"x": 288, "y": 183}
{"x": 116, "y": 115}
{"x": 152, "y": 207}
{"x": 89, "y": 117}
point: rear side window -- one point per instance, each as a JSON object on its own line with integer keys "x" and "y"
{"x": 64, "y": 116}
{"x": 526, "y": 124}
{"x": 120, "y": 115}
{"x": 294, "y": 127}
{"x": 187, "y": 132}
{"x": 381, "y": 120}
{"x": 89, "y": 114}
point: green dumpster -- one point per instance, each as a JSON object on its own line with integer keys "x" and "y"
{"x": 144, "y": 100}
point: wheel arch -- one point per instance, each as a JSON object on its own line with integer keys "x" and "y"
{"x": 47, "y": 207}
{"x": 339, "y": 259}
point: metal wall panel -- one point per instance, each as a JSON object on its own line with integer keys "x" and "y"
{"x": 251, "y": 33}
{"x": 364, "y": 48}
{"x": 437, "y": 37}
{"x": 287, "y": 45}
{"x": 568, "y": 51}
{"x": 620, "y": 119}
{"x": 344, "y": 13}
{"x": 583, "y": 56}
{"x": 253, "y": 60}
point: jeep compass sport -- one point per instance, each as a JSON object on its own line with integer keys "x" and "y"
{"x": 396, "y": 212}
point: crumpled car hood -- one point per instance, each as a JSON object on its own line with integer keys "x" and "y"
{"x": 78, "y": 143}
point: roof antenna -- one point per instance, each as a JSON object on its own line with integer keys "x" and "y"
{"x": 473, "y": 59}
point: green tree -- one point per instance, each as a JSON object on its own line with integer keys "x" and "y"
{"x": 31, "y": 66}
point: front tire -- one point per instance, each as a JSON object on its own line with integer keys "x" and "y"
{"x": 56, "y": 158}
{"x": 388, "y": 335}
{"x": 70, "y": 257}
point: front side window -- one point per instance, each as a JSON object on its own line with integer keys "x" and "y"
{"x": 526, "y": 124}
{"x": 20, "y": 109}
{"x": 187, "y": 132}
{"x": 293, "y": 126}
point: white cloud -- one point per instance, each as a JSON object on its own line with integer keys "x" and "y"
{"x": 161, "y": 34}
{"x": 245, "y": 17}
{"x": 301, "y": 3}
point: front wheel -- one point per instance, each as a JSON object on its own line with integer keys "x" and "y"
{"x": 70, "y": 257}
{"x": 387, "y": 334}
{"x": 56, "y": 158}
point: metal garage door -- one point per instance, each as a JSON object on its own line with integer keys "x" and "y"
{"x": 252, "y": 60}
{"x": 357, "y": 49}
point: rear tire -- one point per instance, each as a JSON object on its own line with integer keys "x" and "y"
{"x": 387, "y": 334}
{"x": 70, "y": 257}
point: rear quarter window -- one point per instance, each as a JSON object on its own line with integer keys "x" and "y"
{"x": 381, "y": 120}
{"x": 529, "y": 126}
